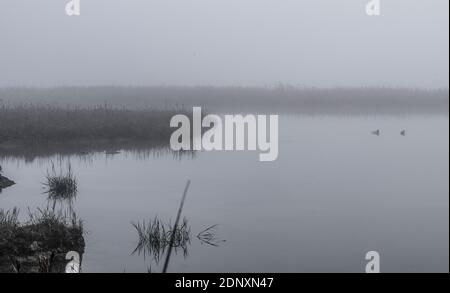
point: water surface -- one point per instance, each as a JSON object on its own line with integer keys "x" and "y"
{"x": 335, "y": 192}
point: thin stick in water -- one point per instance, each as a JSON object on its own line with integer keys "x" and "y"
{"x": 172, "y": 238}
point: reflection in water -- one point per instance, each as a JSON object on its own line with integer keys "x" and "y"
{"x": 155, "y": 237}
{"x": 209, "y": 236}
{"x": 89, "y": 152}
{"x": 376, "y": 132}
{"x": 62, "y": 205}
{"x": 65, "y": 205}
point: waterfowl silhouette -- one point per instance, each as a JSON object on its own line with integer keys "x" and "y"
{"x": 376, "y": 132}
{"x": 403, "y": 132}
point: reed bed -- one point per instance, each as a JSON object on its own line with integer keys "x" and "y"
{"x": 280, "y": 98}
{"x": 44, "y": 124}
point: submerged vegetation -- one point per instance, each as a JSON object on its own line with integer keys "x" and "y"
{"x": 40, "y": 243}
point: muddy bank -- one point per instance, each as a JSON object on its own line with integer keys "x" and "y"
{"x": 5, "y": 182}
{"x": 38, "y": 247}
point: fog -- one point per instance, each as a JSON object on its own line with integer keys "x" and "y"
{"x": 321, "y": 43}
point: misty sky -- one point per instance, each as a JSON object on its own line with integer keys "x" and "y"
{"x": 323, "y": 43}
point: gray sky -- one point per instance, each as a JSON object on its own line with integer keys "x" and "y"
{"x": 323, "y": 43}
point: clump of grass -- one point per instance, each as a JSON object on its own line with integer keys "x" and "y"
{"x": 62, "y": 185}
{"x": 155, "y": 237}
{"x": 48, "y": 229}
{"x": 51, "y": 218}
{"x": 42, "y": 218}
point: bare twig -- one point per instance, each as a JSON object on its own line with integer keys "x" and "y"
{"x": 172, "y": 238}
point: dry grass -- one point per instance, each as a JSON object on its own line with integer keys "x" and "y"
{"x": 9, "y": 219}
{"x": 278, "y": 99}
{"x": 32, "y": 124}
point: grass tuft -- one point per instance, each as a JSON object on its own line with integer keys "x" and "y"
{"x": 61, "y": 185}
